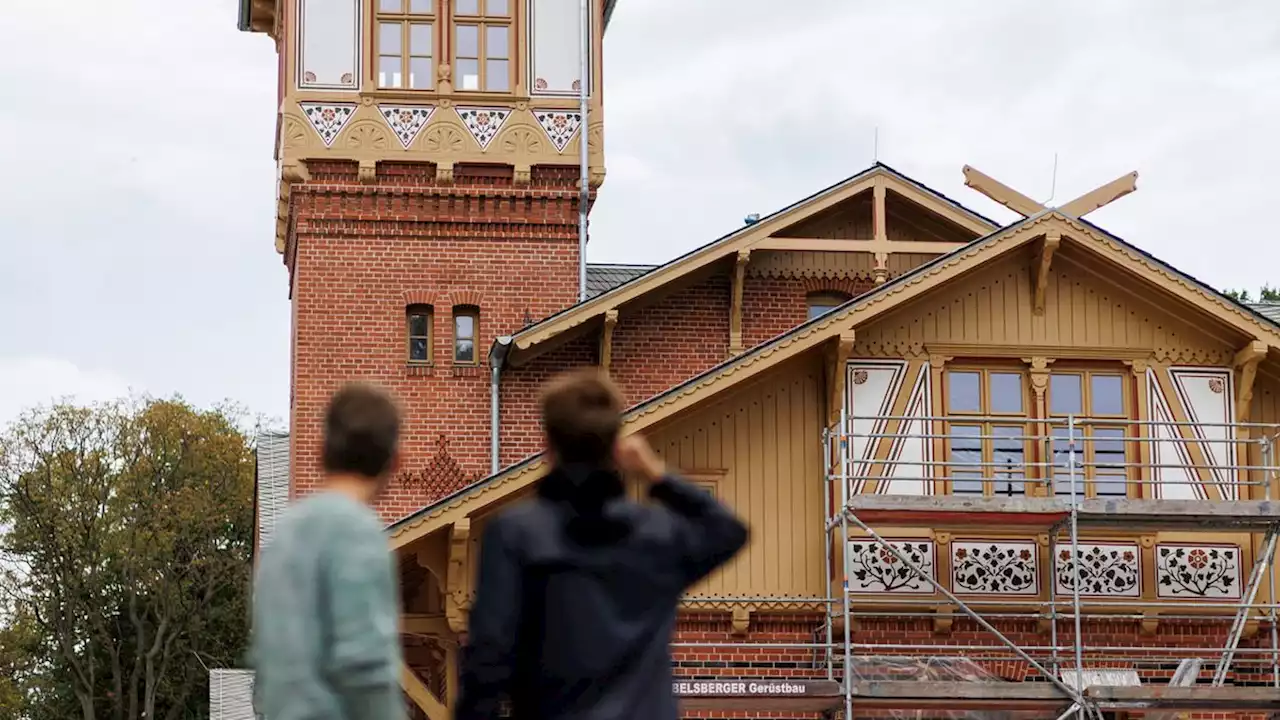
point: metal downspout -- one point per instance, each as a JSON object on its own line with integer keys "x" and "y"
{"x": 497, "y": 358}
{"x": 584, "y": 178}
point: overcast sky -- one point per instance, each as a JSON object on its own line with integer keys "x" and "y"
{"x": 136, "y": 176}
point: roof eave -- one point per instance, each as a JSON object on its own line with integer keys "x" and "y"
{"x": 609, "y": 6}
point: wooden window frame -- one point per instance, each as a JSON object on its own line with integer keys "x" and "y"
{"x": 1124, "y": 420}
{"x": 820, "y": 298}
{"x": 410, "y": 312}
{"x": 406, "y": 19}
{"x": 472, "y": 312}
{"x": 482, "y": 22}
{"x": 987, "y": 421}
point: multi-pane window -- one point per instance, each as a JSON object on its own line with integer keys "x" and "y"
{"x": 1092, "y": 398}
{"x": 466, "y": 326}
{"x": 418, "y": 325}
{"x": 406, "y": 44}
{"x": 987, "y": 431}
{"x": 482, "y": 45}
{"x": 822, "y": 303}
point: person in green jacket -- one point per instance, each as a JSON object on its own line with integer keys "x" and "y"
{"x": 326, "y": 642}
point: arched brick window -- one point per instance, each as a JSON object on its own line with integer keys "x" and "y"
{"x": 466, "y": 335}
{"x": 821, "y": 303}
{"x": 418, "y": 322}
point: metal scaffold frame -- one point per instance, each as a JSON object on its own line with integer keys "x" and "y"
{"x": 846, "y": 471}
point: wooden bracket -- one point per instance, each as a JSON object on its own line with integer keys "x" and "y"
{"x": 741, "y": 620}
{"x": 1052, "y": 240}
{"x": 368, "y": 171}
{"x": 944, "y": 618}
{"x": 1150, "y": 622}
{"x": 735, "y": 306}
{"x": 606, "y": 338}
{"x": 1246, "y": 361}
{"x": 837, "y": 361}
{"x": 294, "y": 171}
{"x": 444, "y": 172}
{"x": 457, "y": 596}
{"x": 881, "y": 268}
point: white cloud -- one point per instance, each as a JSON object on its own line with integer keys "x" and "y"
{"x": 26, "y": 382}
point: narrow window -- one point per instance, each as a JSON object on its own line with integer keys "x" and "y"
{"x": 482, "y": 41}
{"x": 466, "y": 325}
{"x": 824, "y": 302}
{"x": 988, "y": 433}
{"x": 406, "y": 44}
{"x": 554, "y": 56}
{"x": 418, "y": 324}
{"x": 1097, "y": 400}
{"x": 328, "y": 42}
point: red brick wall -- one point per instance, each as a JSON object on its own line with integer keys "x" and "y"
{"x": 774, "y": 305}
{"x": 359, "y": 253}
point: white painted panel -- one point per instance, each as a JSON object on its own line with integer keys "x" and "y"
{"x": 872, "y": 386}
{"x": 1176, "y": 481}
{"x": 1106, "y": 569}
{"x": 873, "y": 569}
{"x": 910, "y": 473}
{"x": 1191, "y": 572}
{"x": 329, "y": 44}
{"x": 1206, "y": 395}
{"x": 555, "y": 42}
{"x": 994, "y": 567}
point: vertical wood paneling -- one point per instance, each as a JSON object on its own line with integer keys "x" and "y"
{"x": 767, "y": 440}
{"x": 994, "y": 307}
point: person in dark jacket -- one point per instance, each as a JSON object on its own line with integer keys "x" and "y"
{"x": 577, "y": 589}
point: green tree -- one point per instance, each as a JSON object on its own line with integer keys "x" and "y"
{"x": 1266, "y": 294}
{"x": 130, "y": 529}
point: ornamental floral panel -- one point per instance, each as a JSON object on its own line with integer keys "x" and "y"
{"x": 483, "y": 123}
{"x": 873, "y": 569}
{"x": 1105, "y": 569}
{"x": 328, "y": 120}
{"x": 559, "y": 125}
{"x": 406, "y": 121}
{"x": 994, "y": 567}
{"x": 1198, "y": 571}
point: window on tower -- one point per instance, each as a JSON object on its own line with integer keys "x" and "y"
{"x": 555, "y": 52}
{"x": 328, "y": 44}
{"x": 482, "y": 45}
{"x": 824, "y": 302}
{"x": 418, "y": 325}
{"x": 466, "y": 327}
{"x": 406, "y": 44}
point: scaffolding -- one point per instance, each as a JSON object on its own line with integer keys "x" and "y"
{"x": 1073, "y": 482}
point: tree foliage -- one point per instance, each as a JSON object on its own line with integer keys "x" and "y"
{"x": 1266, "y": 294}
{"x": 127, "y": 557}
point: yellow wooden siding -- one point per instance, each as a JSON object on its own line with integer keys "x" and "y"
{"x": 766, "y": 439}
{"x": 994, "y": 307}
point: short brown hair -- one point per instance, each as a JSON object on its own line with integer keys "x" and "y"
{"x": 581, "y": 415}
{"x": 361, "y": 431}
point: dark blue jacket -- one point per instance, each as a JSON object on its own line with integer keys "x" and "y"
{"x": 576, "y": 598}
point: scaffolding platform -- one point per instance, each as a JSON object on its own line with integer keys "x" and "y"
{"x": 1109, "y": 513}
{"x": 906, "y": 694}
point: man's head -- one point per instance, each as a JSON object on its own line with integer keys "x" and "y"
{"x": 361, "y": 433}
{"x": 581, "y": 415}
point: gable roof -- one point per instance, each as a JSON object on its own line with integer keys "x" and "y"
{"x": 845, "y": 319}
{"x": 744, "y": 238}
{"x": 1270, "y": 311}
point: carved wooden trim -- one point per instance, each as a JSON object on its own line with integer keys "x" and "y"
{"x": 735, "y": 305}
{"x": 1246, "y": 362}
{"x": 606, "y": 338}
{"x": 456, "y": 591}
{"x": 1052, "y": 240}
{"x": 837, "y": 359}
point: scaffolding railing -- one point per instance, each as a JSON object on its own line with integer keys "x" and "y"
{"x": 1076, "y": 473}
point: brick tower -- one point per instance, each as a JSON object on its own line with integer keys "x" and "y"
{"x": 430, "y": 156}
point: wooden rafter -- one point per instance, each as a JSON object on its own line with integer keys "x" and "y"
{"x": 1000, "y": 192}
{"x": 886, "y": 247}
{"x": 422, "y": 695}
{"x": 1246, "y": 362}
{"x": 1025, "y": 206}
{"x": 1044, "y": 264}
{"x": 606, "y": 338}
{"x": 456, "y": 593}
{"x": 1102, "y": 196}
{"x": 735, "y": 307}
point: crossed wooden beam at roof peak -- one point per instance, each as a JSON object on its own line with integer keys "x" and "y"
{"x": 1027, "y": 207}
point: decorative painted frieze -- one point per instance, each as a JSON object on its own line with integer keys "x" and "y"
{"x": 328, "y": 120}
{"x": 406, "y": 121}
{"x": 987, "y": 567}
{"x": 1198, "y": 571}
{"x": 873, "y": 569}
{"x": 560, "y": 126}
{"x": 483, "y": 123}
{"x": 1105, "y": 569}
{"x": 873, "y": 387}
